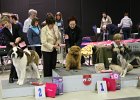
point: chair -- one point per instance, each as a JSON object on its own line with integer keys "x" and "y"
{"x": 97, "y": 32}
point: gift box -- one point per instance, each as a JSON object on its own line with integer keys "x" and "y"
{"x": 59, "y": 82}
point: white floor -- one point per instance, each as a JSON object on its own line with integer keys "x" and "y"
{"x": 82, "y": 95}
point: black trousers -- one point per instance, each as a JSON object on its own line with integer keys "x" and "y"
{"x": 126, "y": 32}
{"x": 25, "y": 38}
{"x": 49, "y": 62}
{"x": 13, "y": 73}
{"x": 38, "y": 50}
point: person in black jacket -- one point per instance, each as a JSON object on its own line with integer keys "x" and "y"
{"x": 13, "y": 36}
{"x": 73, "y": 34}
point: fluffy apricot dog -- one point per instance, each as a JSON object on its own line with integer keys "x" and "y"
{"x": 73, "y": 58}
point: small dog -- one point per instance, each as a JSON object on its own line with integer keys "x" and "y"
{"x": 22, "y": 60}
{"x": 73, "y": 58}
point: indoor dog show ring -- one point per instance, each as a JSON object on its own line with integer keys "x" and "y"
{"x": 73, "y": 80}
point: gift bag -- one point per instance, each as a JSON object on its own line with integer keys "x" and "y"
{"x": 50, "y": 90}
{"x": 111, "y": 84}
{"x": 59, "y": 82}
{"x": 117, "y": 78}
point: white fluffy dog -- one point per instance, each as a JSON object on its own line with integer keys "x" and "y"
{"x": 23, "y": 59}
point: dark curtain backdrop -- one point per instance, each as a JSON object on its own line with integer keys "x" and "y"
{"x": 88, "y": 12}
{"x": 69, "y": 8}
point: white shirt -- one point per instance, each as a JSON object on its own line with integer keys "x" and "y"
{"x": 125, "y": 22}
{"x": 11, "y": 30}
{"x": 49, "y": 38}
{"x": 105, "y": 21}
{"x": 27, "y": 24}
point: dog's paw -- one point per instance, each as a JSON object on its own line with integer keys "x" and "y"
{"x": 67, "y": 69}
{"x": 79, "y": 68}
{"x": 122, "y": 75}
{"x": 38, "y": 77}
{"x": 20, "y": 83}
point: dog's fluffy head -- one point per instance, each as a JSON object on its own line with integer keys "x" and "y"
{"x": 75, "y": 50}
{"x": 16, "y": 52}
{"x": 73, "y": 58}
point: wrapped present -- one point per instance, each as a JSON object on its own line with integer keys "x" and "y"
{"x": 59, "y": 82}
{"x": 117, "y": 78}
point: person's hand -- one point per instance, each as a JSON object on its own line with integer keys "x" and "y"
{"x": 68, "y": 49}
{"x": 62, "y": 45}
{"x": 12, "y": 44}
{"x": 18, "y": 40}
{"x": 66, "y": 36}
{"x": 56, "y": 46}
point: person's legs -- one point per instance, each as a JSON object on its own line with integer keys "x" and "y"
{"x": 38, "y": 50}
{"x": 47, "y": 67}
{"x": 128, "y": 32}
{"x": 13, "y": 74}
{"x": 53, "y": 59}
{"x": 124, "y": 30}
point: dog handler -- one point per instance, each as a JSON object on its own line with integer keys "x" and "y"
{"x": 118, "y": 47}
{"x": 50, "y": 39}
{"x": 73, "y": 35}
{"x": 13, "y": 36}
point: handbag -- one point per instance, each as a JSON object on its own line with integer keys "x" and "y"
{"x": 59, "y": 82}
{"x": 50, "y": 90}
{"x": 111, "y": 84}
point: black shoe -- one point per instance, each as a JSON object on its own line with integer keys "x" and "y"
{"x": 15, "y": 78}
{"x": 11, "y": 80}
